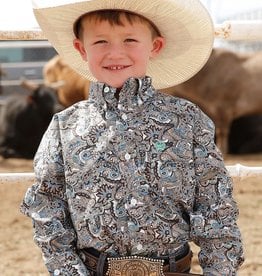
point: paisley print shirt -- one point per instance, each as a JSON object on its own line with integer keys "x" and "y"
{"x": 137, "y": 174}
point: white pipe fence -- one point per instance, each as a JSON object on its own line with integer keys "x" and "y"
{"x": 228, "y": 30}
{"x": 237, "y": 172}
{"x": 17, "y": 178}
{"x": 236, "y": 30}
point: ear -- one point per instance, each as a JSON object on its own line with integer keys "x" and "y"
{"x": 79, "y": 46}
{"x": 158, "y": 45}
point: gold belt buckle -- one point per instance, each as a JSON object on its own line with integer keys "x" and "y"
{"x": 135, "y": 266}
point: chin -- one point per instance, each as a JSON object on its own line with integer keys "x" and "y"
{"x": 116, "y": 84}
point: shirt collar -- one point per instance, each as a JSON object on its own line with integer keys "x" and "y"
{"x": 134, "y": 92}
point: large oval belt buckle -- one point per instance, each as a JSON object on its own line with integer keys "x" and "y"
{"x": 135, "y": 266}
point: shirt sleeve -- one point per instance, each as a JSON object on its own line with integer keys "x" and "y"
{"x": 46, "y": 203}
{"x": 213, "y": 220}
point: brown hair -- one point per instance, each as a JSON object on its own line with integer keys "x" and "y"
{"x": 114, "y": 18}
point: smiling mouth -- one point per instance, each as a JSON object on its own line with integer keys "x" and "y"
{"x": 116, "y": 67}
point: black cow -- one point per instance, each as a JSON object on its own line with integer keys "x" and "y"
{"x": 24, "y": 119}
{"x": 246, "y": 135}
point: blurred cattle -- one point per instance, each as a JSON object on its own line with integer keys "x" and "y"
{"x": 228, "y": 87}
{"x": 246, "y": 135}
{"x": 24, "y": 119}
{"x": 75, "y": 87}
{"x": 2, "y": 73}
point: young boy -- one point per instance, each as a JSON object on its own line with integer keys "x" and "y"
{"x": 125, "y": 179}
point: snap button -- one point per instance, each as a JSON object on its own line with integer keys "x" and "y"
{"x": 106, "y": 89}
{"x": 127, "y": 156}
{"x": 57, "y": 272}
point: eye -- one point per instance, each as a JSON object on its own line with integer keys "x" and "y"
{"x": 100, "y": 42}
{"x": 130, "y": 40}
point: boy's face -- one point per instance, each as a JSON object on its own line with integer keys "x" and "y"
{"x": 116, "y": 53}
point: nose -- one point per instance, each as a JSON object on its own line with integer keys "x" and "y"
{"x": 115, "y": 50}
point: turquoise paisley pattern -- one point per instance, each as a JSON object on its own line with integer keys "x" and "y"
{"x": 134, "y": 174}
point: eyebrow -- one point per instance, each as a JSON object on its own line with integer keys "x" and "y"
{"x": 106, "y": 34}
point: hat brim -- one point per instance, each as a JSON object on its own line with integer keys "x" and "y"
{"x": 186, "y": 26}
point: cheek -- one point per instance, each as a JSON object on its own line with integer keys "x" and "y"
{"x": 94, "y": 56}
{"x": 143, "y": 56}
{"x": 139, "y": 54}
{"x": 92, "y": 65}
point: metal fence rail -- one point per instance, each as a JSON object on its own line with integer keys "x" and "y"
{"x": 235, "y": 30}
{"x": 16, "y": 178}
{"x": 237, "y": 171}
{"x": 229, "y": 30}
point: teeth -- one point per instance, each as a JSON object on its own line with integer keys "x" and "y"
{"x": 116, "y": 67}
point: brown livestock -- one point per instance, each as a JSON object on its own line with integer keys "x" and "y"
{"x": 75, "y": 88}
{"x": 228, "y": 87}
{"x": 2, "y": 73}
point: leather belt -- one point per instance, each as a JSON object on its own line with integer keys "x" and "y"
{"x": 97, "y": 262}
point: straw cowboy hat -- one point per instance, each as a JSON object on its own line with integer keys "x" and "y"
{"x": 185, "y": 24}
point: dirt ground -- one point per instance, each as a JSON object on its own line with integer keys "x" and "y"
{"x": 20, "y": 256}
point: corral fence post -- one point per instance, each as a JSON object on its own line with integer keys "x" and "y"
{"x": 229, "y": 30}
